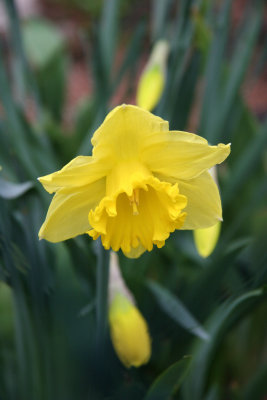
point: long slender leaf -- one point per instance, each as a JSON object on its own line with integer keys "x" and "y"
{"x": 214, "y": 72}
{"x": 9, "y": 190}
{"x": 221, "y": 322}
{"x": 256, "y": 388}
{"x": 247, "y": 163}
{"x": 237, "y": 70}
{"x": 173, "y": 307}
{"x": 108, "y": 34}
{"x": 23, "y": 76}
{"x": 159, "y": 13}
{"x": 169, "y": 381}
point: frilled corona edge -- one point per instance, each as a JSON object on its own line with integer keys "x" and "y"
{"x": 141, "y": 183}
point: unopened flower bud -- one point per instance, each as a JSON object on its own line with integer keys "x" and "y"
{"x": 152, "y": 80}
{"x": 128, "y": 328}
{"x": 207, "y": 238}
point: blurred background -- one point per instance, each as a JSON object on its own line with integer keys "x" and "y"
{"x": 63, "y": 65}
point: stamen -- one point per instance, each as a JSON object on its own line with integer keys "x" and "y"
{"x": 135, "y": 210}
{"x": 136, "y": 196}
{"x": 134, "y": 201}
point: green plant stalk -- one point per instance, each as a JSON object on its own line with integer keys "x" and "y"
{"x": 102, "y": 275}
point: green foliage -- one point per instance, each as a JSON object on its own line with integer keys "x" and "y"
{"x": 168, "y": 382}
{"x": 176, "y": 310}
{"x": 53, "y": 338}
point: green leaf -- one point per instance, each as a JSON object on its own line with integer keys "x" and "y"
{"x": 159, "y": 15}
{"x": 238, "y": 68}
{"x": 51, "y": 82}
{"x": 214, "y": 72}
{"x": 180, "y": 41}
{"x": 184, "y": 97}
{"x": 221, "y": 322}
{"x": 17, "y": 133}
{"x": 87, "y": 309}
{"x": 246, "y": 163}
{"x": 169, "y": 381}
{"x": 9, "y": 190}
{"x": 130, "y": 58}
{"x": 108, "y": 33}
{"x": 42, "y": 41}
{"x": 203, "y": 34}
{"x": 213, "y": 393}
{"x": 173, "y": 307}
{"x": 244, "y": 213}
{"x": 256, "y": 388}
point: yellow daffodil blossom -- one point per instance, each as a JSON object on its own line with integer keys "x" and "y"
{"x": 141, "y": 183}
{"x": 152, "y": 80}
{"x": 207, "y": 238}
{"x": 128, "y": 328}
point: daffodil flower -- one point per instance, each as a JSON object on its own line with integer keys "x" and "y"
{"x": 141, "y": 183}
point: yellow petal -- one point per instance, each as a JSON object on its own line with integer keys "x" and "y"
{"x": 203, "y": 202}
{"x": 122, "y": 133}
{"x": 129, "y": 332}
{"x": 138, "y": 216}
{"x": 206, "y": 239}
{"x": 80, "y": 171}
{"x": 67, "y": 215}
{"x": 150, "y": 87}
{"x": 180, "y": 154}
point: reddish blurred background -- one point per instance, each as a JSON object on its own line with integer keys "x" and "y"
{"x": 70, "y": 19}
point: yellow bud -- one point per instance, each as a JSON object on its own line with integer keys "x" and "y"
{"x": 150, "y": 88}
{"x": 151, "y": 83}
{"x": 206, "y": 239}
{"x": 129, "y": 332}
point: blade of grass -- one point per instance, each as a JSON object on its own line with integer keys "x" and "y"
{"x": 256, "y": 388}
{"x": 159, "y": 15}
{"x": 108, "y": 34}
{"x": 213, "y": 73}
{"x": 10, "y": 190}
{"x": 130, "y": 58}
{"x": 169, "y": 381}
{"x": 23, "y": 74}
{"x": 173, "y": 307}
{"x": 221, "y": 322}
{"x": 246, "y": 164}
{"x": 236, "y": 73}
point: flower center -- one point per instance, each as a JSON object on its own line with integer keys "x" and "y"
{"x": 134, "y": 201}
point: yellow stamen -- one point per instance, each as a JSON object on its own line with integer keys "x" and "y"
{"x": 134, "y": 201}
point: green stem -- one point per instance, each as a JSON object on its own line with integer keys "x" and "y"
{"x": 102, "y": 275}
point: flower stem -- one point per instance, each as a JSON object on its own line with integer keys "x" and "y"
{"x": 102, "y": 275}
